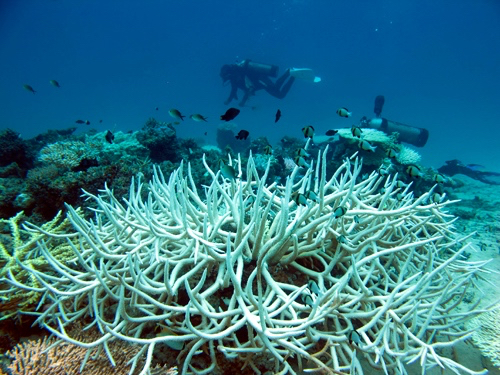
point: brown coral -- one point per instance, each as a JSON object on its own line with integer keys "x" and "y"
{"x": 41, "y": 357}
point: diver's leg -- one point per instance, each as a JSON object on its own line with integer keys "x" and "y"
{"x": 279, "y": 82}
{"x": 245, "y": 98}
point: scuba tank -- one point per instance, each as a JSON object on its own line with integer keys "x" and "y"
{"x": 267, "y": 69}
{"x": 408, "y": 134}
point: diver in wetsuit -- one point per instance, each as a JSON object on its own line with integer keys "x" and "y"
{"x": 250, "y": 77}
{"x": 453, "y": 167}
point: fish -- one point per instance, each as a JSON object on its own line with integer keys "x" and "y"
{"x": 230, "y": 114}
{"x": 206, "y": 133}
{"x": 331, "y": 132}
{"x": 343, "y": 112}
{"x": 391, "y": 153}
{"x": 400, "y": 184}
{"x": 175, "y": 113}
{"x": 80, "y": 122}
{"x": 301, "y": 152}
{"x": 268, "y": 150}
{"x": 414, "y": 171}
{"x": 383, "y": 171}
{"x": 437, "y": 198}
{"x": 439, "y": 178}
{"x": 227, "y": 171}
{"x": 354, "y": 337}
{"x": 54, "y": 83}
{"x": 109, "y": 137}
{"x": 278, "y": 116}
{"x": 299, "y": 199}
{"x": 339, "y": 212}
{"x": 308, "y": 131}
{"x": 311, "y": 195}
{"x": 156, "y": 108}
{"x": 197, "y": 117}
{"x": 300, "y": 161}
{"x": 29, "y": 88}
{"x": 100, "y": 121}
{"x": 242, "y": 134}
{"x": 87, "y": 122}
{"x": 365, "y": 145}
{"x": 356, "y": 131}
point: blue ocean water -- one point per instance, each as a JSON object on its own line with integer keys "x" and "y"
{"x": 436, "y": 62}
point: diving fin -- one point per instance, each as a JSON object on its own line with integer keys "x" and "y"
{"x": 305, "y": 74}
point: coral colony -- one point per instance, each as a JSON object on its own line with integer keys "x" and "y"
{"x": 316, "y": 275}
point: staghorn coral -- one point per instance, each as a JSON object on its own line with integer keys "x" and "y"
{"x": 19, "y": 246}
{"x": 46, "y": 357}
{"x": 245, "y": 274}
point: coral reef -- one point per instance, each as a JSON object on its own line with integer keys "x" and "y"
{"x": 45, "y": 357}
{"x": 160, "y": 139}
{"x": 18, "y": 253}
{"x": 308, "y": 276}
{"x": 486, "y": 328}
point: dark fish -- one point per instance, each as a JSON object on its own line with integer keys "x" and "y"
{"x": 54, "y": 83}
{"x": 230, "y": 114}
{"x": 175, "y": 113}
{"x": 100, "y": 121}
{"x": 278, "y": 116}
{"x": 109, "y": 137}
{"x": 80, "y": 122}
{"x": 87, "y": 122}
{"x": 243, "y": 134}
{"x": 29, "y": 88}
{"x": 268, "y": 150}
{"x": 308, "y": 131}
{"x": 205, "y": 133}
{"x": 331, "y": 132}
{"x": 156, "y": 108}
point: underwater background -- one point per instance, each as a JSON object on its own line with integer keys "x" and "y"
{"x": 436, "y": 63}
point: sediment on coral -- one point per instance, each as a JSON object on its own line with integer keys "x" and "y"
{"x": 308, "y": 276}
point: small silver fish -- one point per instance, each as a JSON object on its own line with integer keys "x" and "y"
{"x": 365, "y": 145}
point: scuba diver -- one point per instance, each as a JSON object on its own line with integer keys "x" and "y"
{"x": 250, "y": 77}
{"x": 475, "y": 171}
{"x": 408, "y": 134}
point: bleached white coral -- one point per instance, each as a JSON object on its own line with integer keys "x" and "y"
{"x": 407, "y": 155}
{"x": 303, "y": 277}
